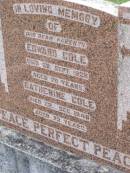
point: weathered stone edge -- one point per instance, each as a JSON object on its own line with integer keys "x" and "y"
{"x": 50, "y": 155}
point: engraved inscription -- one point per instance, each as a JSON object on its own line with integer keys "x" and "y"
{"x": 59, "y": 108}
{"x": 58, "y": 81}
{"x": 56, "y": 94}
{"x": 58, "y": 69}
{"x": 56, "y": 54}
{"x": 66, "y": 139}
{"x": 57, "y": 11}
{"x": 53, "y": 26}
{"x": 56, "y": 39}
{"x": 60, "y": 120}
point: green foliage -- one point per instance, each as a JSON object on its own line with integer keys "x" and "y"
{"x": 119, "y": 1}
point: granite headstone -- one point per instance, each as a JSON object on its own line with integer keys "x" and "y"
{"x": 65, "y": 76}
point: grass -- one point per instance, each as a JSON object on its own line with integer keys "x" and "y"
{"x": 119, "y": 1}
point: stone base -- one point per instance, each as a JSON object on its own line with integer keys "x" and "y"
{"x": 19, "y": 154}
